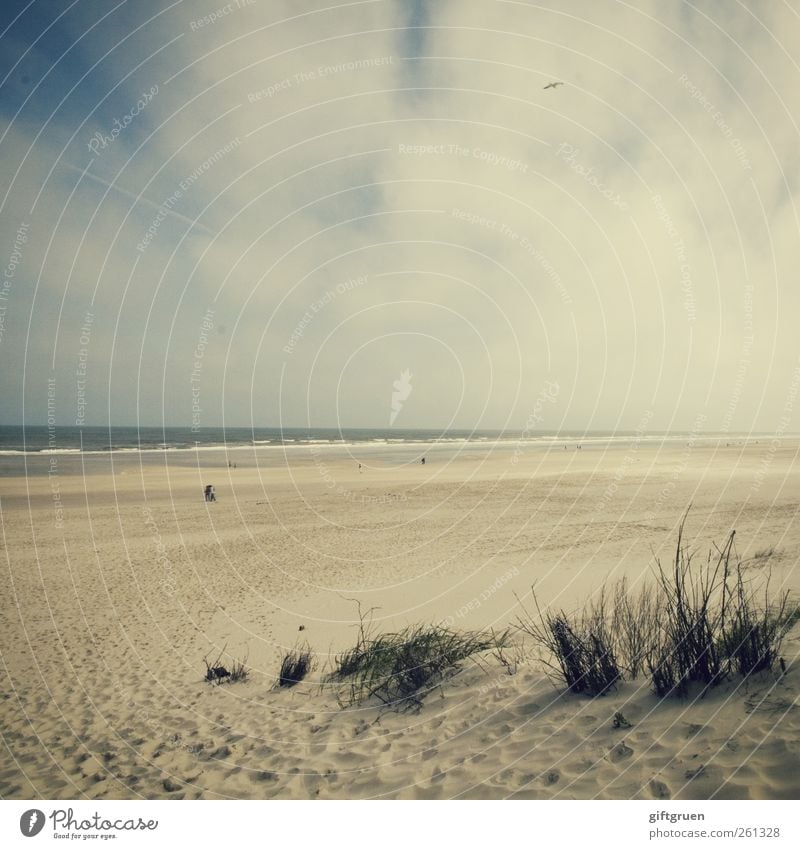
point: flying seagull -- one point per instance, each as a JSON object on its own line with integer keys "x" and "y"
{"x": 553, "y": 85}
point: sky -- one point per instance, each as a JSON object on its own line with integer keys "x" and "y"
{"x": 302, "y": 213}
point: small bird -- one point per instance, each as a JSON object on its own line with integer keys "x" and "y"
{"x": 553, "y": 85}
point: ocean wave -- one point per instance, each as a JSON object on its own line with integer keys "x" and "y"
{"x": 297, "y": 445}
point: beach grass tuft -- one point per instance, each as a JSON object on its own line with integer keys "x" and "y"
{"x": 216, "y": 672}
{"x": 400, "y": 668}
{"x": 715, "y": 623}
{"x": 580, "y": 649}
{"x": 296, "y": 664}
{"x": 239, "y": 671}
{"x": 692, "y": 626}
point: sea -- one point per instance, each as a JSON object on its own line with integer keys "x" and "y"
{"x": 63, "y": 440}
{"x": 26, "y": 449}
{"x": 69, "y": 440}
{"x": 32, "y": 450}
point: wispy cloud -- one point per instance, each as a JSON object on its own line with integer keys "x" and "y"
{"x": 630, "y": 234}
{"x": 139, "y": 199}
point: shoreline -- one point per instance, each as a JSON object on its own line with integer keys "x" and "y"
{"x": 75, "y": 461}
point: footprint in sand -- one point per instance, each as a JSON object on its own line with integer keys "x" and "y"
{"x": 529, "y": 709}
{"x": 311, "y": 782}
{"x": 437, "y": 775}
{"x": 620, "y": 752}
{"x": 659, "y": 790}
{"x": 221, "y": 752}
{"x": 551, "y": 777}
{"x": 504, "y": 730}
{"x": 525, "y": 780}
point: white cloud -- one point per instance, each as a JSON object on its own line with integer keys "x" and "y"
{"x": 525, "y": 244}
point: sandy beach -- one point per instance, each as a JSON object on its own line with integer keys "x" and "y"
{"x": 119, "y": 584}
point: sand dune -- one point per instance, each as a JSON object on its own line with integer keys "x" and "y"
{"x": 111, "y": 608}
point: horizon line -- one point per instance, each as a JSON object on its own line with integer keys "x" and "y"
{"x": 390, "y": 428}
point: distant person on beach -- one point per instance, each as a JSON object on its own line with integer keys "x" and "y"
{"x": 423, "y": 461}
{"x": 212, "y": 496}
{"x": 207, "y": 493}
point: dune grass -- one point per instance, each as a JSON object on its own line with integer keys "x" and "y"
{"x": 217, "y": 673}
{"x": 295, "y": 665}
{"x": 239, "y": 671}
{"x": 692, "y": 625}
{"x": 400, "y": 668}
{"x": 579, "y": 649}
{"x": 715, "y": 622}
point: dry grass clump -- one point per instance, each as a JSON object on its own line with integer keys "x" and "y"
{"x": 217, "y": 673}
{"x": 296, "y": 664}
{"x": 239, "y": 671}
{"x": 692, "y": 626}
{"x": 580, "y": 649}
{"x": 401, "y": 668}
{"x": 715, "y": 623}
